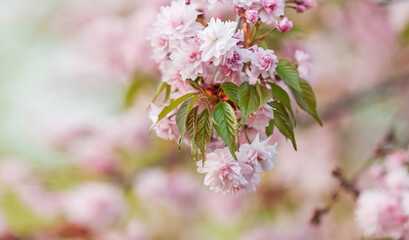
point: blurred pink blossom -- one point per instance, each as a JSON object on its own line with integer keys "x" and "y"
{"x": 95, "y": 205}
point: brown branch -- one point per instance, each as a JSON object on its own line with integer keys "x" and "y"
{"x": 381, "y": 149}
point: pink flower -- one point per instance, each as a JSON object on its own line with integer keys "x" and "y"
{"x": 223, "y": 173}
{"x": 379, "y": 214}
{"x": 39, "y": 200}
{"x": 239, "y": 35}
{"x": 236, "y": 57}
{"x": 303, "y": 60}
{"x": 271, "y": 9}
{"x": 283, "y": 25}
{"x": 259, "y": 155}
{"x": 14, "y": 172}
{"x": 93, "y": 204}
{"x": 224, "y": 208}
{"x": 300, "y": 8}
{"x": 165, "y": 128}
{"x": 263, "y": 62}
{"x": 187, "y": 59}
{"x": 160, "y": 46}
{"x": 261, "y": 118}
{"x": 397, "y": 181}
{"x": 251, "y": 16}
{"x": 95, "y": 154}
{"x": 396, "y": 160}
{"x": 172, "y": 189}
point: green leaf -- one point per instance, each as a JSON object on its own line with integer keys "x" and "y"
{"x": 231, "y": 91}
{"x": 249, "y": 100}
{"x": 204, "y": 130}
{"x": 282, "y": 96}
{"x": 264, "y": 93}
{"x": 166, "y": 110}
{"x": 167, "y": 93}
{"x": 181, "y": 116}
{"x": 194, "y": 83}
{"x": 162, "y": 86}
{"x": 288, "y": 72}
{"x": 307, "y": 100}
{"x": 226, "y": 125}
{"x": 270, "y": 128}
{"x": 283, "y": 122}
{"x": 191, "y": 130}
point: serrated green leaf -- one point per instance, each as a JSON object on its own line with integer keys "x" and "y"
{"x": 249, "y": 100}
{"x": 203, "y": 132}
{"x": 270, "y": 128}
{"x": 191, "y": 130}
{"x": 264, "y": 93}
{"x": 231, "y": 90}
{"x": 166, "y": 110}
{"x": 288, "y": 72}
{"x": 181, "y": 116}
{"x": 283, "y": 122}
{"x": 307, "y": 100}
{"x": 226, "y": 124}
{"x": 282, "y": 96}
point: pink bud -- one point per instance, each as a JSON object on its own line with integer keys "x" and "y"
{"x": 187, "y": 2}
{"x": 300, "y": 8}
{"x": 307, "y": 4}
{"x": 283, "y": 25}
{"x": 251, "y": 16}
{"x": 239, "y": 11}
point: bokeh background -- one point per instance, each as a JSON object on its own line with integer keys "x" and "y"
{"x": 76, "y": 78}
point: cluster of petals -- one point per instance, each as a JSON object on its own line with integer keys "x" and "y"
{"x": 188, "y": 46}
{"x": 185, "y": 49}
{"x": 383, "y": 211}
{"x": 225, "y": 174}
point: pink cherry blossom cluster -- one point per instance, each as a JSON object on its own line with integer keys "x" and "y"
{"x": 195, "y": 55}
{"x": 225, "y": 174}
{"x": 383, "y": 211}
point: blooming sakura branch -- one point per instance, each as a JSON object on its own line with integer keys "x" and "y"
{"x": 225, "y": 89}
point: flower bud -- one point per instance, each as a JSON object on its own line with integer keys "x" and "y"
{"x": 300, "y": 8}
{"x": 284, "y": 25}
{"x": 251, "y": 16}
{"x": 239, "y": 11}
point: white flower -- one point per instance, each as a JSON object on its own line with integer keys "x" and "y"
{"x": 177, "y": 21}
{"x": 223, "y": 173}
{"x": 260, "y": 155}
{"x": 216, "y": 40}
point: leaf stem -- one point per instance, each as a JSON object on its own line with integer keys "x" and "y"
{"x": 245, "y": 134}
{"x": 261, "y": 37}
